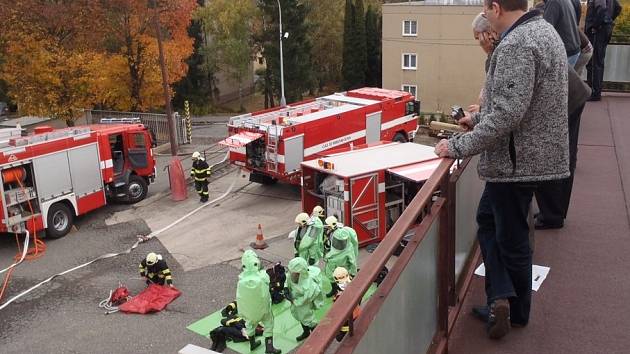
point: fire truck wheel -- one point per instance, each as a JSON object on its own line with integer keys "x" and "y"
{"x": 399, "y": 137}
{"x": 136, "y": 189}
{"x": 60, "y": 219}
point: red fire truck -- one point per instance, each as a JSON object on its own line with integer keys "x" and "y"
{"x": 53, "y": 175}
{"x": 368, "y": 188}
{"x": 271, "y": 144}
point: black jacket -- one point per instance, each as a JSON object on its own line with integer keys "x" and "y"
{"x": 157, "y": 273}
{"x": 600, "y": 13}
{"x": 200, "y": 170}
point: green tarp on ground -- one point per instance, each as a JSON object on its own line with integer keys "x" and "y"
{"x": 286, "y": 328}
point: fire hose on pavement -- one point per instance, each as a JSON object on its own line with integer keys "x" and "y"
{"x": 141, "y": 239}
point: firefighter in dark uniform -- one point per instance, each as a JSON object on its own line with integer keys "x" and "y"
{"x": 200, "y": 172}
{"x": 155, "y": 269}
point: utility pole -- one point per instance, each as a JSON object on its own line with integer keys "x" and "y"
{"x": 167, "y": 96}
{"x": 177, "y": 181}
{"x": 283, "y": 101}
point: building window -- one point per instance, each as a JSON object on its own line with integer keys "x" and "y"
{"x": 410, "y": 28}
{"x": 409, "y": 61}
{"x": 412, "y": 89}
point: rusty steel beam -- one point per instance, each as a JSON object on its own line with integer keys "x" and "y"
{"x": 342, "y": 309}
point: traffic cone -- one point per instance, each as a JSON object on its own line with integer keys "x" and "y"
{"x": 260, "y": 243}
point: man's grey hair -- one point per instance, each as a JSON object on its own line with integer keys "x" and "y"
{"x": 480, "y": 24}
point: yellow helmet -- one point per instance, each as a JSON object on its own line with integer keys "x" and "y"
{"x": 341, "y": 275}
{"x": 331, "y": 222}
{"x": 152, "y": 258}
{"x": 196, "y": 155}
{"x": 318, "y": 211}
{"x": 302, "y": 219}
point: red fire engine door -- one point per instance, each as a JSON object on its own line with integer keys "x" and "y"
{"x": 364, "y": 215}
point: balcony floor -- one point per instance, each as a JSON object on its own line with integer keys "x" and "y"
{"x": 583, "y": 306}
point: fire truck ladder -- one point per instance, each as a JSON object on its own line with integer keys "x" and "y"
{"x": 249, "y": 121}
{"x": 272, "y": 148}
{"x": 57, "y": 134}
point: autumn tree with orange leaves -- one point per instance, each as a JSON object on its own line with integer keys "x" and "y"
{"x": 59, "y": 57}
{"x": 130, "y": 35}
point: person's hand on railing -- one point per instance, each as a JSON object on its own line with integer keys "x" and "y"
{"x": 441, "y": 149}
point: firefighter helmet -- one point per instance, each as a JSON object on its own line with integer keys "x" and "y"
{"x": 341, "y": 275}
{"x": 318, "y": 211}
{"x": 196, "y": 155}
{"x": 302, "y": 219}
{"x": 152, "y": 258}
{"x": 331, "y": 222}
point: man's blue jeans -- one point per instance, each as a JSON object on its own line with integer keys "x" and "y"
{"x": 504, "y": 241}
{"x": 572, "y": 60}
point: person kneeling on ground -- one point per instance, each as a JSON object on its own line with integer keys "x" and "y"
{"x": 155, "y": 270}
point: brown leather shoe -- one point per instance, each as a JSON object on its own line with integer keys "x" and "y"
{"x": 499, "y": 319}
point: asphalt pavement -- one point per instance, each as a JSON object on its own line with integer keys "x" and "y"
{"x": 63, "y": 316}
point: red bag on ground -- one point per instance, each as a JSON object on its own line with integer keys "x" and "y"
{"x": 152, "y": 299}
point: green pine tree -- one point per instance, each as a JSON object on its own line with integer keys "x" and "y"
{"x": 199, "y": 86}
{"x": 348, "y": 64}
{"x": 373, "y": 47}
{"x": 360, "y": 46}
{"x": 298, "y": 75}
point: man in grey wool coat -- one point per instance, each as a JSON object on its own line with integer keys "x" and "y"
{"x": 521, "y": 134}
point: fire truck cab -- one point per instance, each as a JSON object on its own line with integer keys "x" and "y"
{"x": 369, "y": 187}
{"x": 271, "y": 144}
{"x": 53, "y": 175}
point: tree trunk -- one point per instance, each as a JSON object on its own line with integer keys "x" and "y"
{"x": 240, "y": 96}
{"x": 133, "y": 61}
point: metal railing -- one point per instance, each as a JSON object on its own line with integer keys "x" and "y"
{"x": 415, "y": 307}
{"x": 156, "y": 122}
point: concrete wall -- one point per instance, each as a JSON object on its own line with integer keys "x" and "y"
{"x": 450, "y": 63}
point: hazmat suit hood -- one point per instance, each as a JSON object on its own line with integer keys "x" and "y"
{"x": 298, "y": 267}
{"x": 340, "y": 240}
{"x": 250, "y": 261}
{"x": 341, "y": 254}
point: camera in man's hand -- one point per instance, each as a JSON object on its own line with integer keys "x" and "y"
{"x": 457, "y": 113}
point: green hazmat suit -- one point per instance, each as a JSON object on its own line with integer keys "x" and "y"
{"x": 318, "y": 230}
{"x": 310, "y": 245}
{"x": 342, "y": 254}
{"x": 298, "y": 235}
{"x": 354, "y": 239}
{"x": 306, "y": 294}
{"x": 252, "y": 295}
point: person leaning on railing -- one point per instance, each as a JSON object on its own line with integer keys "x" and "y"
{"x": 488, "y": 39}
{"x": 521, "y": 134}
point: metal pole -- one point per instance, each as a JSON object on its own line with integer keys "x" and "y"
{"x": 167, "y": 94}
{"x": 283, "y": 101}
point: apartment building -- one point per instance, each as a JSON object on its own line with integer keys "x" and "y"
{"x": 429, "y": 50}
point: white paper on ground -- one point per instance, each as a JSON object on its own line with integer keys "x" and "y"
{"x": 539, "y": 274}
